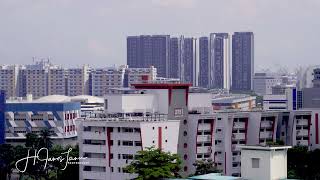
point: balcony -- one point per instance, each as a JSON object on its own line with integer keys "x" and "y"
{"x": 102, "y": 162}
{"x": 204, "y": 138}
{"x": 236, "y": 158}
{"x": 94, "y": 148}
{"x": 239, "y": 125}
{"x": 266, "y": 135}
{"x": 93, "y": 175}
{"x": 302, "y": 132}
{"x": 204, "y": 126}
{"x": 302, "y": 122}
{"x": 266, "y": 124}
{"x": 203, "y": 149}
{"x": 94, "y": 135}
{"x": 238, "y": 136}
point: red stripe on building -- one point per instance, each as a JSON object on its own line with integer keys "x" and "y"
{"x": 109, "y": 144}
{"x": 160, "y": 138}
{"x": 187, "y": 94}
{"x": 317, "y": 128}
{"x": 212, "y": 128}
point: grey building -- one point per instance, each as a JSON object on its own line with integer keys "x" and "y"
{"x": 204, "y": 69}
{"x": 219, "y": 61}
{"x": 311, "y": 96}
{"x": 242, "y": 61}
{"x": 174, "y": 58}
{"x": 146, "y": 50}
{"x": 188, "y": 72}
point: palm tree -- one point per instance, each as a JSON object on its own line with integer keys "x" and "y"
{"x": 6, "y": 161}
{"x": 45, "y": 140}
{"x": 32, "y": 140}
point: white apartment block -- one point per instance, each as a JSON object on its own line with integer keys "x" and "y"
{"x": 110, "y": 144}
{"x": 78, "y": 81}
{"x": 204, "y": 133}
{"x": 9, "y": 79}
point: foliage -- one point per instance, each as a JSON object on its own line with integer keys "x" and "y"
{"x": 303, "y": 164}
{"x": 154, "y": 164}
{"x": 205, "y": 167}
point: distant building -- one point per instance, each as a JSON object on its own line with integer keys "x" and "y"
{"x": 57, "y": 79}
{"x": 233, "y": 101}
{"x": 78, "y": 81}
{"x": 263, "y": 83}
{"x": 219, "y": 61}
{"x": 188, "y": 72}
{"x": 145, "y": 51}
{"x": 311, "y": 96}
{"x": 174, "y": 58}
{"x": 242, "y": 61}
{"x": 2, "y": 116}
{"x": 9, "y": 79}
{"x": 204, "y": 62}
{"x": 264, "y": 162}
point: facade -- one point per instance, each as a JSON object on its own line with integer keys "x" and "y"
{"x": 290, "y": 100}
{"x": 57, "y": 78}
{"x": 9, "y": 79}
{"x": 33, "y": 116}
{"x": 2, "y": 116}
{"x": 174, "y": 58}
{"x": 242, "y": 61}
{"x": 204, "y": 133}
{"x": 265, "y": 163}
{"x": 204, "y": 61}
{"x": 188, "y": 55}
{"x": 263, "y": 83}
{"x": 145, "y": 51}
{"x": 219, "y": 61}
{"x": 112, "y": 143}
{"x": 233, "y": 101}
{"x": 78, "y": 81}
{"x": 310, "y": 96}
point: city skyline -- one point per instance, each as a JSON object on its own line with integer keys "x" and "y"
{"x": 96, "y": 37}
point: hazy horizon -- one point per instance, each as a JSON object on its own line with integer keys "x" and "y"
{"x": 94, "y": 32}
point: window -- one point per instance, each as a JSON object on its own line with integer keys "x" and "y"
{"x": 185, "y": 122}
{"x": 255, "y": 162}
{"x": 185, "y": 157}
{"x": 185, "y": 133}
{"x": 185, "y": 145}
{"x": 178, "y": 112}
{"x": 185, "y": 168}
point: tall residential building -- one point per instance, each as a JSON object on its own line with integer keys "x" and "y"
{"x": 57, "y": 81}
{"x": 36, "y": 78}
{"x": 204, "y": 57}
{"x": 174, "y": 58}
{"x": 188, "y": 55}
{"x": 9, "y": 79}
{"x": 219, "y": 61}
{"x": 242, "y": 61}
{"x": 78, "y": 81}
{"x": 145, "y": 51}
{"x": 104, "y": 79}
{"x": 2, "y": 116}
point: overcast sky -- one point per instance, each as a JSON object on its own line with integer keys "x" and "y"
{"x": 94, "y": 32}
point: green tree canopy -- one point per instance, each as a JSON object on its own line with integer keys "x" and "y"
{"x": 205, "y": 166}
{"x": 154, "y": 164}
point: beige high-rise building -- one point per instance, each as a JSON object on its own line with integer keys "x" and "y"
{"x": 9, "y": 79}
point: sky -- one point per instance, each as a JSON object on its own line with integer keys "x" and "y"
{"x": 76, "y": 32}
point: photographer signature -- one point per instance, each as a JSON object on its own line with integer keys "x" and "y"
{"x": 64, "y": 158}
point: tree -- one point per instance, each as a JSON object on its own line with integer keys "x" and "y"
{"x": 45, "y": 140}
{"x": 7, "y": 161}
{"x": 32, "y": 140}
{"x": 154, "y": 164}
{"x": 205, "y": 167}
